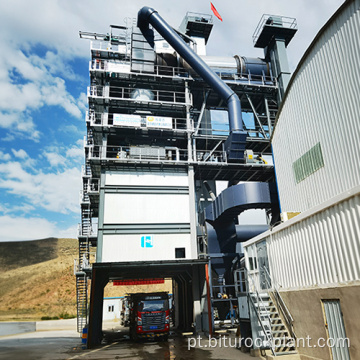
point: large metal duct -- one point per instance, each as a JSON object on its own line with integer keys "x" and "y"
{"x": 235, "y": 144}
{"x": 222, "y": 232}
{"x": 236, "y": 65}
{"x": 222, "y": 242}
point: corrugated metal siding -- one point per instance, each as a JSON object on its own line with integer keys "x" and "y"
{"x": 319, "y": 250}
{"x": 322, "y": 105}
{"x": 336, "y": 329}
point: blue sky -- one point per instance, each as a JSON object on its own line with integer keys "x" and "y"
{"x": 43, "y": 80}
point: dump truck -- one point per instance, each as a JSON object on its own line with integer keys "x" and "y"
{"x": 149, "y": 315}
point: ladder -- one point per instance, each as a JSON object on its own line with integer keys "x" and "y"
{"x": 86, "y": 225}
{"x": 81, "y": 297}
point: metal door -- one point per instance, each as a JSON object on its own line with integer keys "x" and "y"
{"x": 336, "y": 330}
{"x": 263, "y": 262}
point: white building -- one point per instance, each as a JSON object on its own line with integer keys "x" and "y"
{"x": 314, "y": 258}
{"x": 111, "y": 308}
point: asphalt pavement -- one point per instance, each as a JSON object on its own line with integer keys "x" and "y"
{"x": 66, "y": 344}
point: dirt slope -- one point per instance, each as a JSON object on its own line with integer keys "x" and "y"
{"x": 37, "y": 279}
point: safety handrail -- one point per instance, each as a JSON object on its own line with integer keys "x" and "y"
{"x": 280, "y": 303}
{"x": 268, "y": 336}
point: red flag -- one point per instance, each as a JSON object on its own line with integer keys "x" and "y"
{"x": 215, "y": 11}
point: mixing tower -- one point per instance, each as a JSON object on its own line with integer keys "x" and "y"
{"x": 157, "y": 141}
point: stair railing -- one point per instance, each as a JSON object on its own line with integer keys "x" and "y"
{"x": 280, "y": 303}
{"x": 257, "y": 309}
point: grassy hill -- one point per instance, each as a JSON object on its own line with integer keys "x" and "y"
{"x": 37, "y": 280}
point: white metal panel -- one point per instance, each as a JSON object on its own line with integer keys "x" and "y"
{"x": 322, "y": 105}
{"x": 316, "y": 248}
{"x": 243, "y": 307}
{"x": 128, "y": 247}
{"x": 336, "y": 330}
{"x": 146, "y": 208}
{"x": 140, "y": 178}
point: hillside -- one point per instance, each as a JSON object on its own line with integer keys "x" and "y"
{"x": 37, "y": 280}
{"x": 17, "y": 254}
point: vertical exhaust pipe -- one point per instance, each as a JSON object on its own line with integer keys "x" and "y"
{"x": 235, "y": 144}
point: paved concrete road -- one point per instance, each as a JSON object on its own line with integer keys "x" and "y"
{"x": 52, "y": 345}
{"x": 59, "y": 345}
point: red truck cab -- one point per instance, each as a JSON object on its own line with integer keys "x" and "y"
{"x": 149, "y": 315}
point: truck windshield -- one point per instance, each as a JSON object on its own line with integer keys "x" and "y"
{"x": 153, "y": 305}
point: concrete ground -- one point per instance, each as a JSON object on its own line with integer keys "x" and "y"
{"x": 57, "y": 340}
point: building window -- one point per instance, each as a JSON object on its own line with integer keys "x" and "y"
{"x": 111, "y": 308}
{"x": 180, "y": 253}
{"x": 307, "y": 164}
{"x": 252, "y": 257}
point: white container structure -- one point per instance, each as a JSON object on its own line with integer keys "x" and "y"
{"x": 146, "y": 216}
{"x": 111, "y": 308}
{"x": 313, "y": 259}
{"x": 319, "y": 247}
{"x": 316, "y": 141}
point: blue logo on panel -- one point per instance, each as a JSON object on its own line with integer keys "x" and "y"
{"x": 147, "y": 241}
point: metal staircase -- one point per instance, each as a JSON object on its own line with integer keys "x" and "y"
{"x": 86, "y": 227}
{"x": 82, "y": 263}
{"x": 277, "y": 334}
{"x": 270, "y": 319}
{"x": 81, "y": 297}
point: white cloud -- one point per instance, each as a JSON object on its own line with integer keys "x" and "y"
{"x": 75, "y": 130}
{"x": 55, "y": 64}
{"x": 19, "y": 126}
{"x": 58, "y": 192}
{"x": 23, "y": 208}
{"x": 20, "y": 153}
{"x": 75, "y": 152}
{"x": 27, "y": 83}
{"x": 71, "y": 232}
{"x": 4, "y": 156}
{"x": 19, "y": 97}
{"x": 24, "y": 157}
{"x": 21, "y": 228}
{"x": 55, "y": 159}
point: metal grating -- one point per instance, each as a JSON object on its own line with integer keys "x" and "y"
{"x": 307, "y": 164}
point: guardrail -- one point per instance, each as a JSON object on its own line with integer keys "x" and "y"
{"x": 273, "y": 20}
{"x": 260, "y": 310}
{"x": 129, "y": 94}
{"x": 272, "y": 287}
{"x": 163, "y": 155}
{"x": 121, "y": 67}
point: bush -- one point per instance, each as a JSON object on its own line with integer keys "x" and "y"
{"x": 66, "y": 316}
{"x": 49, "y": 318}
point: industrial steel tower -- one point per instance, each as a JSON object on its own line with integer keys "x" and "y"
{"x": 155, "y": 148}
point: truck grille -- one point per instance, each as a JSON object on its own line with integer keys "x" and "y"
{"x": 154, "y": 319}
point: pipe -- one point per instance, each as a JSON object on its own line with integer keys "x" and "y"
{"x": 236, "y": 65}
{"x": 209, "y": 190}
{"x": 148, "y": 16}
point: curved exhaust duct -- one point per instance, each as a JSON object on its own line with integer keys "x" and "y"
{"x": 235, "y": 144}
